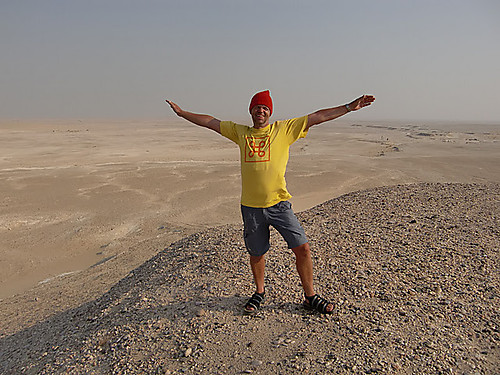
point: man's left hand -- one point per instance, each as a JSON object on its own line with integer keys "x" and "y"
{"x": 361, "y": 102}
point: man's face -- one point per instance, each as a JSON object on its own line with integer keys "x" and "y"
{"x": 260, "y": 116}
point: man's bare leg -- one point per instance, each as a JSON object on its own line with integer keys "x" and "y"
{"x": 303, "y": 261}
{"x": 304, "y": 266}
{"x": 258, "y": 265}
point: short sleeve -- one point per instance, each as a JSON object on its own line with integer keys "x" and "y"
{"x": 296, "y": 128}
{"x": 228, "y": 130}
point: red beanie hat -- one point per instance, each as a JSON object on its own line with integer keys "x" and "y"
{"x": 262, "y": 98}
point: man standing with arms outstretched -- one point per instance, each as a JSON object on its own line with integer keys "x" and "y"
{"x": 264, "y": 151}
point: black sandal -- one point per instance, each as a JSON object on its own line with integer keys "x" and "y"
{"x": 254, "y": 303}
{"x": 317, "y": 303}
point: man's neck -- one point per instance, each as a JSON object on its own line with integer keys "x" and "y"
{"x": 261, "y": 126}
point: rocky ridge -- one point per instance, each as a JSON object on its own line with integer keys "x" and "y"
{"x": 413, "y": 271}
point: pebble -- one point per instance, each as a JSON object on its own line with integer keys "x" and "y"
{"x": 200, "y": 313}
{"x": 256, "y": 363}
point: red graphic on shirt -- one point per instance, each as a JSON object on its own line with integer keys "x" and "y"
{"x": 257, "y": 149}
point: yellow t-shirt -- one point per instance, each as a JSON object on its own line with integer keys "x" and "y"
{"x": 264, "y": 156}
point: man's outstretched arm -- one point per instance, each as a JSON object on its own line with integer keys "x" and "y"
{"x": 328, "y": 114}
{"x": 206, "y": 121}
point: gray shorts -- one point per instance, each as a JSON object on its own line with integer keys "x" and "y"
{"x": 256, "y": 227}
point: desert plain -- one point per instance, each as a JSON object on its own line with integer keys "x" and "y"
{"x": 84, "y": 203}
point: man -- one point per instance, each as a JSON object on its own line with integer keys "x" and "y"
{"x": 264, "y": 151}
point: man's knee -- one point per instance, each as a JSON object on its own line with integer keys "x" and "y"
{"x": 302, "y": 250}
{"x": 256, "y": 258}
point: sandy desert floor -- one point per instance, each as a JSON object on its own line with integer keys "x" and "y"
{"x": 83, "y": 203}
{"x": 75, "y": 194}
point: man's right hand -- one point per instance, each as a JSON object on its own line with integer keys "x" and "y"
{"x": 206, "y": 121}
{"x": 175, "y": 107}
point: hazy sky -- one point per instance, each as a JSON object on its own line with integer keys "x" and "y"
{"x": 423, "y": 60}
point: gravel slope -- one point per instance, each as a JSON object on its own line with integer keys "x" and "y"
{"x": 413, "y": 271}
